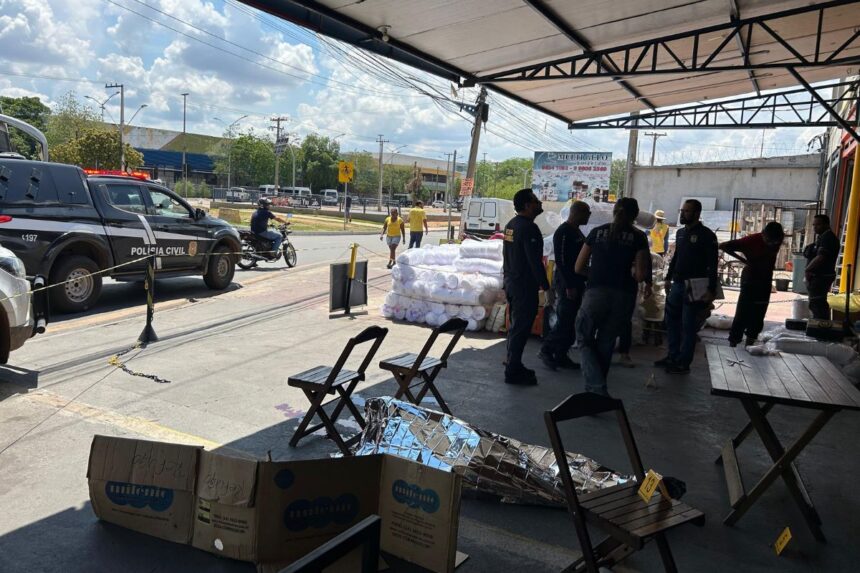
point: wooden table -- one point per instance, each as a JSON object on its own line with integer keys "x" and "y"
{"x": 760, "y": 383}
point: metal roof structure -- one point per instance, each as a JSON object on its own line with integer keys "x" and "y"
{"x": 586, "y": 59}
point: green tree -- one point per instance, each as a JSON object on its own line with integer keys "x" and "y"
{"x": 396, "y": 178}
{"x": 184, "y": 189}
{"x": 96, "y": 148}
{"x": 366, "y": 179}
{"x": 319, "y": 159}
{"x": 201, "y": 190}
{"x": 32, "y": 111}
{"x": 253, "y": 161}
{"x": 617, "y": 177}
{"x": 69, "y": 120}
{"x": 505, "y": 178}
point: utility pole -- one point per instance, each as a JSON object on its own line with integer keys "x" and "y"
{"x": 277, "y": 121}
{"x": 184, "y": 145}
{"x": 381, "y": 143}
{"x": 632, "y": 147}
{"x": 481, "y": 114}
{"x": 447, "y": 179}
{"x": 121, "y": 121}
{"x": 654, "y": 136}
{"x": 449, "y": 231}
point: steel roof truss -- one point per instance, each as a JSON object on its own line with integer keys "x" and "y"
{"x": 670, "y": 60}
{"x": 752, "y": 112}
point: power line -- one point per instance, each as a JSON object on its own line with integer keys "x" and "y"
{"x": 246, "y": 59}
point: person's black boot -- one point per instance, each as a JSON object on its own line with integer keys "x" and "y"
{"x": 547, "y": 359}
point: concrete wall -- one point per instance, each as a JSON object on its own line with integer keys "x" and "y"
{"x": 663, "y": 187}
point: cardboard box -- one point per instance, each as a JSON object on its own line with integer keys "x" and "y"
{"x": 276, "y": 512}
{"x": 144, "y": 486}
{"x": 225, "y": 516}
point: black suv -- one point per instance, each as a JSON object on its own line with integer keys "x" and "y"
{"x": 66, "y": 225}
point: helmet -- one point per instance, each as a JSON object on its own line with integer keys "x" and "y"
{"x": 659, "y": 214}
{"x": 264, "y": 202}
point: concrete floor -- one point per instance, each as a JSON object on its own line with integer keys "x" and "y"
{"x": 227, "y": 358}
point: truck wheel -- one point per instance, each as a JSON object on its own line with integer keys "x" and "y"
{"x": 81, "y": 288}
{"x": 219, "y": 275}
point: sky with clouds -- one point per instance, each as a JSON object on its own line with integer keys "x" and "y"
{"x": 235, "y": 61}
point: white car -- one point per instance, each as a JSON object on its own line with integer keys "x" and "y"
{"x": 16, "y": 317}
{"x": 438, "y": 204}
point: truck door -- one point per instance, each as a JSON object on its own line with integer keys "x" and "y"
{"x": 489, "y": 216}
{"x": 182, "y": 240}
{"x": 123, "y": 208}
{"x": 473, "y": 215}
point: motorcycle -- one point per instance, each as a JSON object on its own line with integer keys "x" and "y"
{"x": 256, "y": 249}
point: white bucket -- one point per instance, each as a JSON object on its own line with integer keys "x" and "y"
{"x": 800, "y": 309}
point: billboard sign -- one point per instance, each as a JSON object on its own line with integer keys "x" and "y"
{"x": 564, "y": 175}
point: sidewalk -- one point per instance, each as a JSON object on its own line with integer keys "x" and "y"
{"x": 227, "y": 359}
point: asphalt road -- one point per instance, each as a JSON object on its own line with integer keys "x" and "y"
{"x": 310, "y": 250}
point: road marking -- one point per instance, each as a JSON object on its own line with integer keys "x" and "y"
{"x": 142, "y": 426}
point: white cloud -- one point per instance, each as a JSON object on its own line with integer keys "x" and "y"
{"x": 318, "y": 88}
{"x": 34, "y": 35}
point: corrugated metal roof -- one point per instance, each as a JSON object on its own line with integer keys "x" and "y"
{"x": 173, "y": 160}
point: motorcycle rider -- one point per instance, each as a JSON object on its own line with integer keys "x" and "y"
{"x": 260, "y": 226}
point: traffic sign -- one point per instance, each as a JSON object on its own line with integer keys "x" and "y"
{"x": 466, "y": 187}
{"x": 345, "y": 171}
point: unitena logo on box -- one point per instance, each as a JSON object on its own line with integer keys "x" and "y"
{"x": 415, "y": 497}
{"x": 320, "y": 512}
{"x": 139, "y": 496}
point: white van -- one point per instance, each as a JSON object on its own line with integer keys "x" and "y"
{"x": 486, "y": 215}
{"x": 330, "y": 196}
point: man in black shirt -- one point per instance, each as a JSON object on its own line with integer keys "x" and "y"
{"x": 619, "y": 255}
{"x": 694, "y": 262}
{"x": 569, "y": 288}
{"x": 260, "y": 226}
{"x": 821, "y": 268}
{"x": 524, "y": 277}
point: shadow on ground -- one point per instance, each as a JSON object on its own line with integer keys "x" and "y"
{"x": 679, "y": 427}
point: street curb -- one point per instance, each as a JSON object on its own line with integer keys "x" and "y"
{"x": 331, "y": 233}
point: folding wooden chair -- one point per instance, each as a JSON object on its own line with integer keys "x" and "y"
{"x": 405, "y": 367}
{"x": 628, "y": 520}
{"x": 317, "y": 382}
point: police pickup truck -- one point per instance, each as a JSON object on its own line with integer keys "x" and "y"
{"x": 66, "y": 225}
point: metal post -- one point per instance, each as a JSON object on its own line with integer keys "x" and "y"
{"x": 184, "y": 146}
{"x": 122, "y": 127}
{"x": 450, "y": 230}
{"x": 350, "y": 275}
{"x": 148, "y": 335}
{"x": 121, "y": 88}
{"x": 381, "y": 143}
{"x": 852, "y": 227}
{"x": 654, "y": 137}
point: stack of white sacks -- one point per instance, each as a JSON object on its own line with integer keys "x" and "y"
{"x": 435, "y": 283}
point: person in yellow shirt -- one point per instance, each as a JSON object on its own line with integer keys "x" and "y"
{"x": 393, "y": 230}
{"x": 660, "y": 234}
{"x": 417, "y": 220}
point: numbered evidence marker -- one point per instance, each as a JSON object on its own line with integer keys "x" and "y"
{"x": 782, "y": 540}
{"x": 652, "y": 482}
